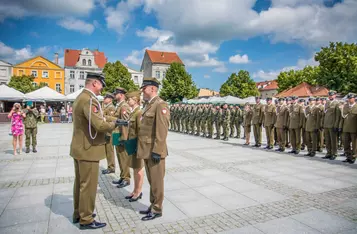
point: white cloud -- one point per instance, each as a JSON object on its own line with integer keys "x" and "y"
{"x": 76, "y": 25}
{"x": 206, "y": 76}
{"x": 49, "y": 8}
{"x": 205, "y": 61}
{"x": 135, "y": 57}
{"x": 220, "y": 69}
{"x": 239, "y": 59}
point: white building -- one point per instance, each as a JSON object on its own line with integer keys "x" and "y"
{"x": 5, "y": 72}
{"x": 156, "y": 63}
{"x": 77, "y": 63}
{"x": 136, "y": 76}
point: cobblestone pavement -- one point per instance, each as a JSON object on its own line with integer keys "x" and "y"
{"x": 210, "y": 187}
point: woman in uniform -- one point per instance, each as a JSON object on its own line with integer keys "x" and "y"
{"x": 247, "y": 123}
{"x": 137, "y": 164}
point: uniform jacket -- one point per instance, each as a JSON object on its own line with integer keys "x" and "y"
{"x": 269, "y": 115}
{"x": 134, "y": 124}
{"x": 153, "y": 129}
{"x": 313, "y": 118}
{"x": 122, "y": 112}
{"x": 258, "y": 113}
{"x": 296, "y": 116}
{"x": 31, "y": 118}
{"x": 248, "y": 118}
{"x": 332, "y": 114}
{"x": 282, "y": 116}
{"x": 88, "y": 118}
{"x": 226, "y": 116}
{"x": 348, "y": 120}
{"x": 109, "y": 111}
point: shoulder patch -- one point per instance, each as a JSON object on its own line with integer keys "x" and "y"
{"x": 164, "y": 111}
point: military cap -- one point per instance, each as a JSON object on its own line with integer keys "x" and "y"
{"x": 301, "y": 100}
{"x": 312, "y": 99}
{"x": 318, "y": 98}
{"x": 120, "y": 90}
{"x": 332, "y": 92}
{"x": 247, "y": 104}
{"x": 96, "y": 76}
{"x": 133, "y": 94}
{"x": 281, "y": 99}
{"x": 257, "y": 97}
{"x": 150, "y": 81}
{"x": 269, "y": 99}
{"x": 294, "y": 97}
{"x": 109, "y": 95}
{"x": 351, "y": 95}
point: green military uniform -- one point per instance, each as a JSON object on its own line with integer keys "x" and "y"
{"x": 303, "y": 134}
{"x": 281, "y": 125}
{"x": 210, "y": 120}
{"x": 296, "y": 121}
{"x": 30, "y": 123}
{"x": 109, "y": 110}
{"x": 312, "y": 127}
{"x": 257, "y": 121}
{"x": 320, "y": 135}
{"x": 172, "y": 111}
{"x": 248, "y": 116}
{"x": 238, "y": 120}
{"x": 204, "y": 116}
{"x": 193, "y": 119}
{"x": 226, "y": 116}
{"x": 198, "y": 115}
{"x": 269, "y": 121}
{"x": 231, "y": 122}
{"x": 217, "y": 121}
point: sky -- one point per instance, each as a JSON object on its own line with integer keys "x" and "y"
{"x": 214, "y": 38}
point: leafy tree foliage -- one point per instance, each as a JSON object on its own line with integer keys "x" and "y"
{"x": 239, "y": 85}
{"x": 22, "y": 83}
{"x": 292, "y": 78}
{"x": 117, "y": 75}
{"x": 177, "y": 84}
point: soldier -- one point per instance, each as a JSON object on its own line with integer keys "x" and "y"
{"x": 238, "y": 120}
{"x": 226, "y": 115}
{"x": 247, "y": 122}
{"x": 152, "y": 145}
{"x": 281, "y": 124}
{"x": 276, "y": 102}
{"x": 320, "y": 135}
{"x": 312, "y": 126}
{"x": 198, "y": 115}
{"x": 269, "y": 119}
{"x": 302, "y": 103}
{"x": 348, "y": 123}
{"x": 210, "y": 119}
{"x": 287, "y": 133}
{"x": 122, "y": 112}
{"x": 257, "y": 121}
{"x": 340, "y": 133}
{"x": 204, "y": 119}
{"x": 87, "y": 149}
{"x": 331, "y": 124}
{"x": 30, "y": 122}
{"x": 172, "y": 111}
{"x": 233, "y": 117}
{"x": 296, "y": 120}
{"x": 193, "y": 119}
{"x": 217, "y": 121}
{"x": 109, "y": 110}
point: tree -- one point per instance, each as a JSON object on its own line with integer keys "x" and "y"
{"x": 22, "y": 83}
{"x": 292, "y": 78}
{"x": 338, "y": 67}
{"x": 117, "y": 75}
{"x": 41, "y": 85}
{"x": 177, "y": 84}
{"x": 239, "y": 85}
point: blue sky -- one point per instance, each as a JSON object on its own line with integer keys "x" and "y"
{"x": 213, "y": 38}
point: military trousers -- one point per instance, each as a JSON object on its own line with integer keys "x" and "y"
{"x": 198, "y": 126}
{"x": 331, "y": 141}
{"x": 269, "y": 131}
{"x": 320, "y": 140}
{"x": 237, "y": 125}
{"x": 171, "y": 123}
{"x": 187, "y": 125}
{"x": 350, "y": 139}
{"x": 295, "y": 138}
{"x": 109, "y": 153}
{"x": 257, "y": 130}
{"x": 218, "y": 128}
{"x": 311, "y": 141}
{"x": 178, "y": 125}
{"x": 232, "y": 127}
{"x": 247, "y": 130}
{"x": 281, "y": 132}
{"x": 124, "y": 162}
{"x": 155, "y": 174}
{"x": 304, "y": 137}
{"x": 210, "y": 128}
{"x": 31, "y": 133}
{"x": 225, "y": 126}
{"x": 275, "y": 135}
{"x": 203, "y": 126}
{"x": 85, "y": 190}
{"x": 192, "y": 125}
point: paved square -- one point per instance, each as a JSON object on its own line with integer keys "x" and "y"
{"x": 211, "y": 186}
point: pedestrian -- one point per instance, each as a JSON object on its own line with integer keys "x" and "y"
{"x": 70, "y": 111}
{"x": 31, "y": 116}
{"x": 50, "y": 114}
{"x": 17, "y": 126}
{"x": 87, "y": 149}
{"x": 42, "y": 113}
{"x": 63, "y": 115}
{"x": 257, "y": 121}
{"x": 248, "y": 115}
{"x": 152, "y": 145}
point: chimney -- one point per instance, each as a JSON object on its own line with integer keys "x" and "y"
{"x": 162, "y": 54}
{"x": 56, "y": 58}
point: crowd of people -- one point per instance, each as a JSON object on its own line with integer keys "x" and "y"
{"x": 314, "y": 124}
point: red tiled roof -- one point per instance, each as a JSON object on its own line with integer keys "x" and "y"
{"x": 304, "y": 90}
{"x": 163, "y": 57}
{"x": 267, "y": 85}
{"x": 71, "y": 57}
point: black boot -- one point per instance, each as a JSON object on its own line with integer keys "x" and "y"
{"x": 27, "y": 150}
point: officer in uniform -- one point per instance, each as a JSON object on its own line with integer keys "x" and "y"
{"x": 257, "y": 121}
{"x": 122, "y": 112}
{"x": 281, "y": 124}
{"x": 210, "y": 119}
{"x": 30, "y": 122}
{"x": 348, "y": 123}
{"x": 247, "y": 122}
{"x": 331, "y": 123}
{"x": 226, "y": 116}
{"x": 233, "y": 118}
{"x": 269, "y": 120}
{"x": 172, "y": 110}
{"x": 296, "y": 121}
{"x": 312, "y": 126}
{"x": 192, "y": 119}
{"x": 87, "y": 149}
{"x": 109, "y": 110}
{"x": 238, "y": 120}
{"x": 320, "y": 135}
{"x": 204, "y": 116}
{"x": 152, "y": 145}
{"x": 302, "y": 103}
{"x": 217, "y": 121}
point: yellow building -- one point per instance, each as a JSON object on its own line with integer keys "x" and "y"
{"x": 44, "y": 71}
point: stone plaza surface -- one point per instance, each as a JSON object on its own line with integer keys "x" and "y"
{"x": 211, "y": 186}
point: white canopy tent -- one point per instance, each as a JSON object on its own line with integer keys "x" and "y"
{"x": 251, "y": 100}
{"x": 73, "y": 96}
{"x": 45, "y": 94}
{"x": 233, "y": 100}
{"x": 10, "y": 94}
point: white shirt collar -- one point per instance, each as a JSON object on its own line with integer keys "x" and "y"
{"x": 352, "y": 104}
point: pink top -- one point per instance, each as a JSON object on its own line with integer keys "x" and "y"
{"x": 17, "y": 126}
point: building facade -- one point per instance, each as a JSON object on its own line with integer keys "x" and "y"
{"x": 156, "y": 63}
{"x": 77, "y": 63}
{"x": 136, "y": 76}
{"x": 5, "y": 72}
{"x": 44, "y": 71}
{"x": 267, "y": 88}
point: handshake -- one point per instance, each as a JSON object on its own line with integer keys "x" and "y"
{"x": 121, "y": 122}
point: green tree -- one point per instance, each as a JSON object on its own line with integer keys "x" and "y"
{"x": 292, "y": 78}
{"x": 239, "y": 85}
{"x": 41, "y": 85}
{"x": 117, "y": 75}
{"x": 22, "y": 83}
{"x": 177, "y": 84}
{"x": 338, "y": 67}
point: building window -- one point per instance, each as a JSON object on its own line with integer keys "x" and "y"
{"x": 71, "y": 74}
{"x": 44, "y": 74}
{"x": 81, "y": 86}
{"x": 20, "y": 72}
{"x": 81, "y": 75}
{"x": 3, "y": 72}
{"x": 158, "y": 74}
{"x": 34, "y": 73}
{"x": 58, "y": 88}
{"x": 136, "y": 79}
{"x": 34, "y": 84}
{"x": 89, "y": 62}
{"x": 163, "y": 74}
{"x": 58, "y": 74}
{"x": 71, "y": 88}
{"x": 84, "y": 62}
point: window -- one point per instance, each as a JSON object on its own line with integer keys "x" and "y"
{"x": 81, "y": 75}
{"x": 136, "y": 79}
{"x": 3, "y": 72}
{"x": 71, "y": 74}
{"x": 20, "y": 72}
{"x": 58, "y": 74}
{"x": 158, "y": 74}
{"x": 44, "y": 74}
{"x": 81, "y": 86}
{"x": 71, "y": 88}
{"x": 84, "y": 62}
{"x": 58, "y": 88}
{"x": 34, "y": 84}
{"x": 89, "y": 62}
{"x": 34, "y": 73}
{"x": 163, "y": 74}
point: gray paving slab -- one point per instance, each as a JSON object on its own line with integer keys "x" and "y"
{"x": 244, "y": 230}
{"x": 264, "y": 195}
{"x": 285, "y": 226}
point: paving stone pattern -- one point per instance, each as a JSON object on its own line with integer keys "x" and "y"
{"x": 210, "y": 187}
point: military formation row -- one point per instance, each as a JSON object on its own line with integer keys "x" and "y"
{"x": 316, "y": 124}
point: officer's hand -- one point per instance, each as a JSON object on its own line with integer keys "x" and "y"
{"x": 121, "y": 122}
{"x": 155, "y": 157}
